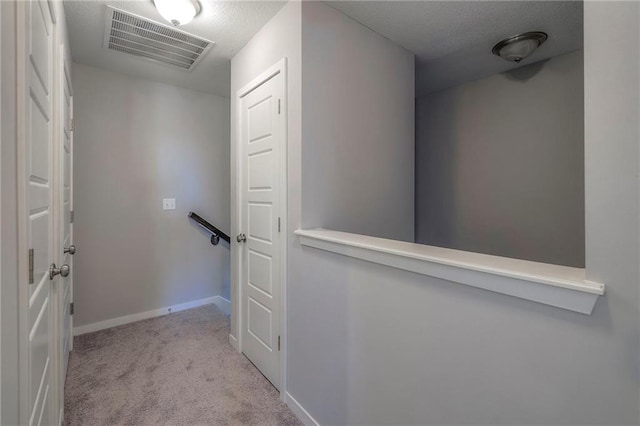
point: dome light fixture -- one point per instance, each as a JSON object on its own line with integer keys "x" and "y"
{"x": 518, "y": 47}
{"x": 178, "y": 12}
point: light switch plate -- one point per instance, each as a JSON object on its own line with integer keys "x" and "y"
{"x": 168, "y": 204}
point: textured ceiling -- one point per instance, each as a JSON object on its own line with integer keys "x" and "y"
{"x": 230, "y": 24}
{"x": 452, "y": 40}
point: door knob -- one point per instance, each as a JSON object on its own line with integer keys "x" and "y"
{"x": 241, "y": 238}
{"x": 63, "y": 270}
{"x": 71, "y": 250}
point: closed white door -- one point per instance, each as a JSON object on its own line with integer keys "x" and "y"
{"x": 261, "y": 142}
{"x": 36, "y": 202}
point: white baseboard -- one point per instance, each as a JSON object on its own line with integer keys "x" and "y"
{"x": 223, "y": 304}
{"x": 114, "y": 322}
{"x": 233, "y": 342}
{"x": 299, "y": 411}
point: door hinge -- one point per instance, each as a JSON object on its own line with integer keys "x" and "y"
{"x": 278, "y": 106}
{"x": 71, "y": 308}
{"x": 278, "y": 342}
{"x": 31, "y": 266}
{"x": 278, "y": 224}
{"x": 71, "y": 216}
{"x": 72, "y": 124}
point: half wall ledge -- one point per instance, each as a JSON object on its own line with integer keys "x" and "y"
{"x": 560, "y": 286}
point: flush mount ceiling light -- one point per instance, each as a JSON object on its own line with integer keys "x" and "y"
{"x": 518, "y": 47}
{"x": 178, "y": 12}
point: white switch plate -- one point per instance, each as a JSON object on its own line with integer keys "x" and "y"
{"x": 168, "y": 204}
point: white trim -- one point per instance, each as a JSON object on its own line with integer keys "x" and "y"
{"x": 233, "y": 342}
{"x": 554, "y": 285}
{"x": 223, "y": 304}
{"x": 1, "y": 230}
{"x": 284, "y": 209}
{"x": 114, "y": 322}
{"x": 299, "y": 411}
{"x": 21, "y": 153}
{"x": 279, "y": 67}
{"x": 71, "y": 193}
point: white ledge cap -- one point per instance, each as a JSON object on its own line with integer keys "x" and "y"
{"x": 554, "y": 285}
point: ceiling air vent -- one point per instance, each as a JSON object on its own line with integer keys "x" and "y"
{"x": 128, "y": 33}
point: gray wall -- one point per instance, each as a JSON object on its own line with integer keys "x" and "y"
{"x": 357, "y": 127}
{"x": 500, "y": 164}
{"x": 612, "y": 199}
{"x": 136, "y": 142}
{"x": 369, "y": 344}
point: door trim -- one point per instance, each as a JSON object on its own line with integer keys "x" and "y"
{"x": 23, "y": 293}
{"x": 279, "y": 67}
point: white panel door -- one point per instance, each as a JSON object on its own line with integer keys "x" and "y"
{"x": 66, "y": 226}
{"x": 261, "y": 142}
{"x": 64, "y": 243}
{"x": 37, "y": 226}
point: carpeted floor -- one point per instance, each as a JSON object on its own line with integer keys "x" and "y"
{"x": 174, "y": 370}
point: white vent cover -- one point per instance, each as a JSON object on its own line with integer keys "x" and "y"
{"x": 128, "y": 33}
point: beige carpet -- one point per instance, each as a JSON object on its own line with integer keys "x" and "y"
{"x": 174, "y": 370}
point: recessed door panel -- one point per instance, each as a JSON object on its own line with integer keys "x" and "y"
{"x": 261, "y": 221}
{"x": 261, "y": 171}
{"x": 40, "y": 141}
{"x": 260, "y": 120}
{"x": 260, "y": 271}
{"x": 259, "y": 322}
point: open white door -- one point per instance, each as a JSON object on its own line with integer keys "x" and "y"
{"x": 261, "y": 145}
{"x": 66, "y": 227}
{"x": 63, "y": 289}
{"x": 36, "y": 223}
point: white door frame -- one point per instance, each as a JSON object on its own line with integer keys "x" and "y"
{"x": 1, "y": 233}
{"x": 279, "y": 67}
{"x": 23, "y": 261}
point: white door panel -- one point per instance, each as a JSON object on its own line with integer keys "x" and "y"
{"x": 36, "y": 158}
{"x": 63, "y": 288}
{"x": 261, "y": 142}
{"x": 66, "y": 135}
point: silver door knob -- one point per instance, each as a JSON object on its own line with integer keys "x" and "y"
{"x": 63, "y": 270}
{"x": 71, "y": 250}
{"x": 241, "y": 238}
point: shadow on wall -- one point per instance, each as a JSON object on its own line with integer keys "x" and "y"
{"x": 500, "y": 164}
{"x": 222, "y": 245}
{"x": 524, "y": 74}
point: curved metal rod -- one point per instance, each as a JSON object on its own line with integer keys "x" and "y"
{"x": 216, "y": 234}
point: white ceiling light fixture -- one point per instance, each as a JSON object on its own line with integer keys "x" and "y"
{"x": 518, "y": 47}
{"x": 178, "y": 12}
